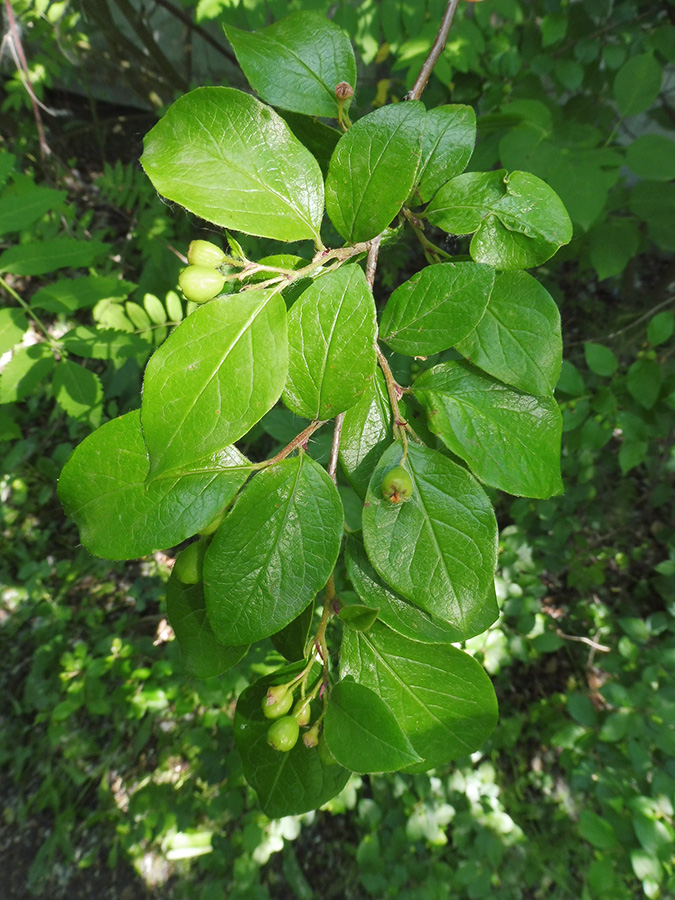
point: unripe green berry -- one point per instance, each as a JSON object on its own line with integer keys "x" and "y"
{"x": 200, "y": 283}
{"x": 277, "y": 701}
{"x": 311, "y": 738}
{"x": 189, "y": 563}
{"x": 283, "y": 734}
{"x": 325, "y": 755}
{"x": 397, "y": 486}
{"x": 204, "y": 253}
{"x": 302, "y": 711}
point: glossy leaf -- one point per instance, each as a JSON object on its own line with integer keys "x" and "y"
{"x": 103, "y": 487}
{"x": 436, "y": 308}
{"x": 214, "y": 377}
{"x": 331, "y": 353}
{"x": 400, "y": 614}
{"x": 297, "y": 62}
{"x": 292, "y": 639}
{"x": 203, "y": 655}
{"x": 373, "y": 169}
{"x": 319, "y": 139}
{"x": 439, "y": 549}
{"x": 13, "y": 326}
{"x": 366, "y": 433}
{"x": 518, "y": 219}
{"x": 509, "y": 439}
{"x": 518, "y": 339}
{"x": 447, "y": 145}
{"x": 358, "y": 616}
{"x": 441, "y": 697}
{"x": 362, "y": 732}
{"x": 38, "y": 257}
{"x": 273, "y": 552}
{"x": 290, "y": 783}
{"x": 233, "y": 161}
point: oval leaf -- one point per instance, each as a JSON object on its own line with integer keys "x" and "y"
{"x": 436, "y": 308}
{"x": 510, "y": 440}
{"x": 373, "y": 169}
{"x": 441, "y": 697}
{"x": 297, "y": 62}
{"x": 233, "y": 161}
{"x": 331, "y": 353}
{"x": 518, "y": 339}
{"x": 362, "y": 732}
{"x": 518, "y": 219}
{"x": 214, "y": 377}
{"x": 203, "y": 655}
{"x": 287, "y": 784}
{"x": 440, "y": 548}
{"x": 273, "y": 552}
{"x": 103, "y": 487}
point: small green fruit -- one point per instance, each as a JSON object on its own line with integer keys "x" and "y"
{"x": 283, "y": 734}
{"x": 302, "y": 711}
{"x": 277, "y": 701}
{"x": 204, "y": 253}
{"x": 200, "y": 283}
{"x": 311, "y": 738}
{"x": 189, "y": 563}
{"x": 397, "y": 486}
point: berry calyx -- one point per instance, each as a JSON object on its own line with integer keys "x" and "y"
{"x": 302, "y": 711}
{"x": 200, "y": 283}
{"x": 397, "y": 486}
{"x": 311, "y": 738}
{"x": 277, "y": 701}
{"x": 204, "y": 253}
{"x": 189, "y": 563}
{"x": 283, "y": 734}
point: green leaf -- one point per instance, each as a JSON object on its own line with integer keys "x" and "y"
{"x": 7, "y": 161}
{"x": 331, "y": 353}
{"x": 644, "y": 381}
{"x": 509, "y": 439}
{"x": 70, "y": 294}
{"x": 373, "y": 169}
{"x": 291, "y": 640}
{"x": 78, "y": 391}
{"x": 362, "y": 732}
{"x": 612, "y": 244}
{"x": 597, "y": 831}
{"x": 20, "y": 207}
{"x": 38, "y": 257}
{"x": 358, "y": 616}
{"x": 652, "y": 156}
{"x": 203, "y": 655}
{"x": 600, "y": 359}
{"x": 287, "y": 784}
{"x": 660, "y": 328}
{"x": 297, "y": 62}
{"x": 214, "y": 377}
{"x": 439, "y": 549}
{"x": 637, "y": 84}
{"x": 102, "y": 343}
{"x": 13, "y": 326}
{"x": 9, "y": 430}
{"x": 366, "y": 433}
{"x": 25, "y": 370}
{"x": 447, "y": 144}
{"x": 273, "y": 552}
{"x": 319, "y": 139}
{"x": 518, "y": 219}
{"x": 518, "y": 339}
{"x": 441, "y": 697}
{"x": 103, "y": 487}
{"x": 436, "y": 308}
{"x": 233, "y": 161}
{"x": 654, "y": 203}
{"x": 398, "y": 613}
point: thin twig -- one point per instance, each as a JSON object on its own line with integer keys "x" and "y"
{"x": 650, "y": 312}
{"x": 436, "y": 50}
{"x": 371, "y": 261}
{"x": 582, "y": 640}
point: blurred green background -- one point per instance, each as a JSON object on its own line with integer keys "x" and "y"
{"x": 118, "y": 774}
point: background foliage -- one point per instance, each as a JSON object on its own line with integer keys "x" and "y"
{"x": 105, "y": 742}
